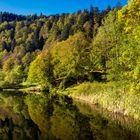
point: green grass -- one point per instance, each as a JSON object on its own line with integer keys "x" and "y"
{"x": 114, "y": 96}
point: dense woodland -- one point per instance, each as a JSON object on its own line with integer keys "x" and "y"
{"x": 62, "y": 50}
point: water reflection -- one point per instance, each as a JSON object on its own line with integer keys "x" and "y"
{"x": 45, "y": 117}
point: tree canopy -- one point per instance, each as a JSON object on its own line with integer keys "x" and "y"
{"x": 66, "y": 49}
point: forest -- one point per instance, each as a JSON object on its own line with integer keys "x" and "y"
{"x": 60, "y": 51}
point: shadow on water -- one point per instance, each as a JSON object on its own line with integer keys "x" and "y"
{"x": 45, "y": 117}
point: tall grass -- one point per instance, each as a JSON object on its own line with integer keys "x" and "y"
{"x": 114, "y": 96}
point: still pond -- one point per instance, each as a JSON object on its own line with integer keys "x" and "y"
{"x": 44, "y": 117}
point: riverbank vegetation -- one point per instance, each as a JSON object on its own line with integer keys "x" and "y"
{"x": 114, "y": 97}
{"x": 60, "y": 51}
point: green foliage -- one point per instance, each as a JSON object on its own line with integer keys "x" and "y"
{"x": 22, "y": 37}
{"x": 129, "y": 53}
{"x": 63, "y": 50}
{"x": 106, "y": 46}
{"x": 40, "y": 71}
{"x": 12, "y": 72}
{"x": 70, "y": 58}
{"x": 116, "y": 45}
{"x": 129, "y": 15}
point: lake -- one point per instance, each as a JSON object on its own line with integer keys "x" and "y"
{"x": 44, "y": 117}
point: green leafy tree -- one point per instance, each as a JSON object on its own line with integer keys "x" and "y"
{"x": 105, "y": 50}
{"x": 70, "y": 58}
{"x": 40, "y": 70}
{"x": 129, "y": 19}
{"x": 13, "y": 73}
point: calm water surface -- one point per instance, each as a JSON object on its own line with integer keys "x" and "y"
{"x": 44, "y": 117}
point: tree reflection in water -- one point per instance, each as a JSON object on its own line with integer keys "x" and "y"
{"x": 45, "y": 117}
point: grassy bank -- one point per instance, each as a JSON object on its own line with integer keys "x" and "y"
{"x": 115, "y": 97}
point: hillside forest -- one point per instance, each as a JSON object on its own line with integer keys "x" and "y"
{"x": 68, "y": 49}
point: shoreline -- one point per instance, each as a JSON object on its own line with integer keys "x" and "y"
{"x": 114, "y": 112}
{"x": 26, "y": 89}
{"x": 112, "y": 99}
{"x": 109, "y": 97}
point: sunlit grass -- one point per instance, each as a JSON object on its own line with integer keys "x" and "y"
{"x": 114, "y": 96}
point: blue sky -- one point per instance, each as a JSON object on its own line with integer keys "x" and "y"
{"x": 53, "y": 6}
